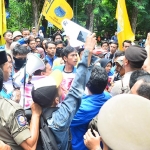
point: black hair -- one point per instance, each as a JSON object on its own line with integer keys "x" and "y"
{"x": 25, "y": 29}
{"x": 51, "y": 42}
{"x": 135, "y": 75}
{"x": 104, "y": 42}
{"x": 54, "y": 36}
{"x": 1, "y": 79}
{"x": 98, "y": 80}
{"x": 7, "y": 32}
{"x": 136, "y": 65}
{"x": 67, "y": 50}
{"x": 144, "y": 88}
{"x": 126, "y": 41}
{"x": 20, "y": 50}
{"x": 119, "y": 53}
{"x": 80, "y": 50}
{"x": 114, "y": 43}
{"x": 59, "y": 42}
{"x": 38, "y": 72}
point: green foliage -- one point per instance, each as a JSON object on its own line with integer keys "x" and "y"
{"x": 21, "y": 15}
{"x": 104, "y": 14}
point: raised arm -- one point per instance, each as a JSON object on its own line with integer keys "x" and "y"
{"x": 146, "y": 65}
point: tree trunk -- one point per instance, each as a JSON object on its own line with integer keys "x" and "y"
{"x": 90, "y": 16}
{"x": 35, "y": 9}
{"x": 134, "y": 17}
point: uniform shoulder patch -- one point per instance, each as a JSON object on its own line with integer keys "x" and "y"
{"x": 21, "y": 120}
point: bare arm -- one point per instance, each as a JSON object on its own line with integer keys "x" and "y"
{"x": 4, "y": 146}
{"x": 30, "y": 143}
{"x": 146, "y": 65}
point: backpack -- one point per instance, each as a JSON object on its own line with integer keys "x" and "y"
{"x": 46, "y": 135}
{"x": 46, "y": 139}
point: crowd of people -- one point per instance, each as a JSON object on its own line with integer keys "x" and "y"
{"x": 79, "y": 85}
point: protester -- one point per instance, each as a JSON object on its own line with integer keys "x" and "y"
{"x": 126, "y": 44}
{"x": 51, "y": 51}
{"x": 57, "y": 37}
{"x": 114, "y": 37}
{"x": 90, "y": 106}
{"x": 142, "y": 86}
{"x": 34, "y": 49}
{"x": 9, "y": 39}
{"x": 25, "y": 33}
{"x": 19, "y": 55}
{"x": 59, "y": 50}
{"x": 113, "y": 48}
{"x": 47, "y": 95}
{"x": 17, "y": 35}
{"x": 70, "y": 58}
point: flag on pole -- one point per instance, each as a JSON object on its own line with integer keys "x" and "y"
{"x": 3, "y": 27}
{"x": 124, "y": 31}
{"x": 57, "y": 10}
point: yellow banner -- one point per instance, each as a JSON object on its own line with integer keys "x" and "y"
{"x": 123, "y": 25}
{"x": 57, "y": 10}
{"x": 3, "y": 25}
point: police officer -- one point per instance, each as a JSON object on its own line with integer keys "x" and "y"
{"x": 14, "y": 129}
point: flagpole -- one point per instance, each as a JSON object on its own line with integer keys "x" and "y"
{"x": 41, "y": 15}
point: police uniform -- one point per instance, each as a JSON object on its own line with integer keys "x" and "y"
{"x": 13, "y": 125}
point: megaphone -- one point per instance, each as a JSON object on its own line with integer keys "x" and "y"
{"x": 33, "y": 64}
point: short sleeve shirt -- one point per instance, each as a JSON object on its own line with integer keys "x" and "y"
{"x": 14, "y": 128}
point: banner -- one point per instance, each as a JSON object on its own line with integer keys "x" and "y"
{"x": 3, "y": 27}
{"x": 124, "y": 31}
{"x": 57, "y": 10}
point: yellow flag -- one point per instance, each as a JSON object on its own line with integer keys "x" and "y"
{"x": 3, "y": 27}
{"x": 57, "y": 10}
{"x": 123, "y": 26}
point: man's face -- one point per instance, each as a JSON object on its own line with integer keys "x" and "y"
{"x": 105, "y": 46}
{"x": 26, "y": 33}
{"x": 113, "y": 48}
{"x": 6, "y": 71}
{"x": 126, "y": 45}
{"x": 34, "y": 31}
{"x": 17, "y": 38}
{"x": 58, "y": 38}
{"x": 119, "y": 69}
{"x": 38, "y": 42}
{"x": 32, "y": 45}
{"x": 8, "y": 37}
{"x": 72, "y": 58}
{"x": 51, "y": 50}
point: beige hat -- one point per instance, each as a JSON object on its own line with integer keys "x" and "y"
{"x": 17, "y": 33}
{"x": 124, "y": 122}
{"x": 120, "y": 60}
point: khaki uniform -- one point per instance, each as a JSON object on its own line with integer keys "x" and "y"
{"x": 13, "y": 126}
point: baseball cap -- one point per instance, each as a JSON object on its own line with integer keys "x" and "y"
{"x": 16, "y": 33}
{"x": 120, "y": 60}
{"x": 123, "y": 122}
{"x": 3, "y": 56}
{"x": 135, "y": 53}
{"x": 45, "y": 90}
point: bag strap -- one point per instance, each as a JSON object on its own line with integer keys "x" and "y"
{"x": 46, "y": 114}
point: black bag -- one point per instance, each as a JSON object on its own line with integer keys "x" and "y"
{"x": 46, "y": 135}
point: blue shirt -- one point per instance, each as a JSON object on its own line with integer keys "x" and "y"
{"x": 61, "y": 118}
{"x": 89, "y": 108}
{"x": 4, "y": 93}
{"x": 50, "y": 60}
